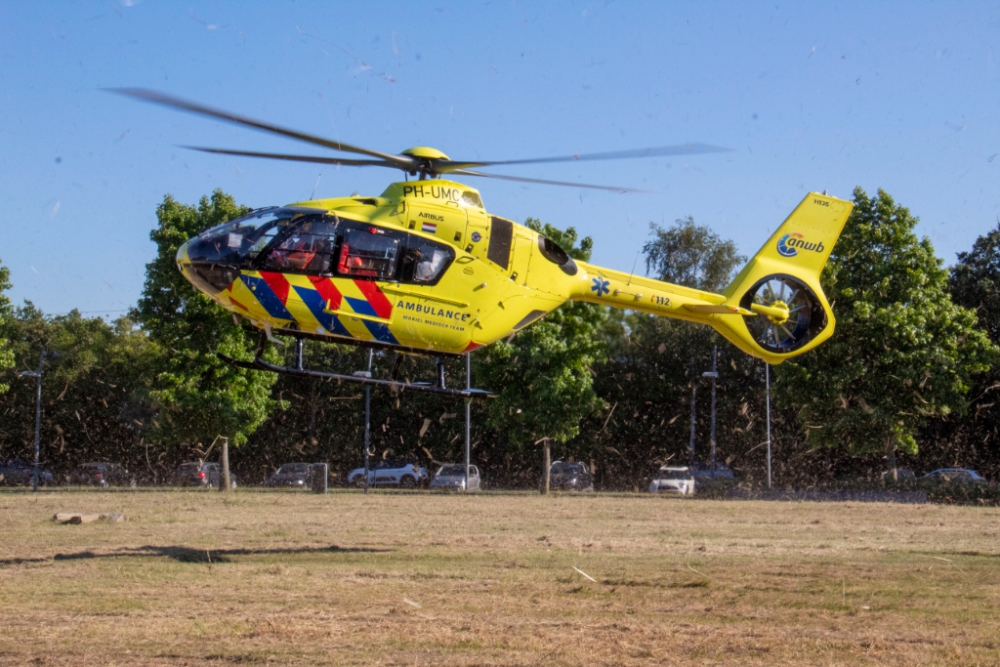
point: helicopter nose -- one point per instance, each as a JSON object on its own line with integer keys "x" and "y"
{"x": 207, "y": 274}
{"x": 183, "y": 258}
{"x": 187, "y": 267}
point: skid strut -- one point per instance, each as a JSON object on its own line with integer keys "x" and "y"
{"x": 440, "y": 372}
{"x": 438, "y": 387}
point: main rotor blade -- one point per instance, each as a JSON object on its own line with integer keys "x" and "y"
{"x": 446, "y": 166}
{"x": 610, "y": 188}
{"x": 192, "y": 107}
{"x": 298, "y": 158}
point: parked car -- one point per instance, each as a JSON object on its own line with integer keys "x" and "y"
{"x": 673, "y": 479}
{"x": 570, "y": 476}
{"x": 295, "y": 475}
{"x": 101, "y": 474}
{"x": 15, "y": 472}
{"x": 204, "y": 475}
{"x": 709, "y": 474}
{"x": 954, "y": 476}
{"x": 451, "y": 476}
{"x": 393, "y": 472}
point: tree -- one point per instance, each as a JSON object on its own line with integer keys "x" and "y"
{"x": 902, "y": 352}
{"x": 648, "y": 379}
{"x": 974, "y": 282}
{"x": 94, "y": 395}
{"x": 200, "y": 396}
{"x": 543, "y": 373}
{"x": 6, "y": 312}
{"x": 691, "y": 255}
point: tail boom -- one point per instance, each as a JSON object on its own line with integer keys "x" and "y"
{"x": 774, "y": 309}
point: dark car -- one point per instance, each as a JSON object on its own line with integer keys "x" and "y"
{"x": 570, "y": 476}
{"x": 954, "y": 476}
{"x": 708, "y": 474}
{"x": 204, "y": 475}
{"x": 101, "y": 474}
{"x": 295, "y": 475}
{"x": 15, "y": 472}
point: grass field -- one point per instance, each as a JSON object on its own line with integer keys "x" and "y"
{"x": 197, "y": 578}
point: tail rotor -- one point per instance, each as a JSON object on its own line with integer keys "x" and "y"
{"x": 789, "y": 314}
{"x": 779, "y": 301}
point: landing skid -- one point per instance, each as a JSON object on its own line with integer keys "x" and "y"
{"x": 258, "y": 364}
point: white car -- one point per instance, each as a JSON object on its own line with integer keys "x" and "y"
{"x": 451, "y": 476}
{"x": 390, "y": 473}
{"x": 673, "y": 479}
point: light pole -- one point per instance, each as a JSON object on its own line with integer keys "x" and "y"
{"x": 468, "y": 418}
{"x": 713, "y": 374}
{"x": 368, "y": 411}
{"x": 767, "y": 381}
{"x": 38, "y": 409}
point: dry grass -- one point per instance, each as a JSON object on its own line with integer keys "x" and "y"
{"x": 291, "y": 578}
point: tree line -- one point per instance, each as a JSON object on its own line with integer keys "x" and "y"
{"x": 910, "y": 377}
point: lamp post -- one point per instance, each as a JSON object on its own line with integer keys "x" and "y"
{"x": 468, "y": 418}
{"x": 38, "y": 409}
{"x": 767, "y": 380}
{"x": 368, "y": 411}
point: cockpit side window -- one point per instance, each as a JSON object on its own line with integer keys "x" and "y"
{"x": 308, "y": 247}
{"x": 254, "y": 242}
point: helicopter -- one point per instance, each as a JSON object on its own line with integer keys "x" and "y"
{"x": 424, "y": 269}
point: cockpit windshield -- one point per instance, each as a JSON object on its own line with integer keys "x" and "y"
{"x": 243, "y": 239}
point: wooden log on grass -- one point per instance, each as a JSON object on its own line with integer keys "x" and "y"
{"x": 63, "y": 517}
{"x": 76, "y": 518}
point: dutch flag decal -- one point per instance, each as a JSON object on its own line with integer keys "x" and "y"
{"x": 429, "y": 227}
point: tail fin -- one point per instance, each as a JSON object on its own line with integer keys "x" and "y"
{"x": 778, "y": 291}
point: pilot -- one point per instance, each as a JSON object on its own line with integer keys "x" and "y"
{"x": 299, "y": 252}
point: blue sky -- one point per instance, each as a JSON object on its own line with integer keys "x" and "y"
{"x": 810, "y": 97}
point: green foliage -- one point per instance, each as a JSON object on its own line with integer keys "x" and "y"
{"x": 6, "y": 355}
{"x": 611, "y": 386}
{"x": 201, "y": 397}
{"x": 543, "y": 372}
{"x": 648, "y": 379}
{"x": 959, "y": 441}
{"x": 975, "y": 282}
{"x": 94, "y": 395}
{"x": 691, "y": 255}
{"x": 902, "y": 351}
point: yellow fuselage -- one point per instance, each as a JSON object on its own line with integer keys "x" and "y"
{"x": 502, "y": 277}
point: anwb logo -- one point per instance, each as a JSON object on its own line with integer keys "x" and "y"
{"x": 790, "y": 244}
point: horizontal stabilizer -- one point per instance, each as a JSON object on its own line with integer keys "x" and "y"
{"x": 718, "y": 310}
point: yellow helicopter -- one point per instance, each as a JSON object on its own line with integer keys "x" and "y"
{"x": 424, "y": 269}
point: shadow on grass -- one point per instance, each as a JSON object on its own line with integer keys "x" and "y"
{"x": 189, "y": 555}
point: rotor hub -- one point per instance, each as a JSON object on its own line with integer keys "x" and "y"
{"x": 777, "y": 311}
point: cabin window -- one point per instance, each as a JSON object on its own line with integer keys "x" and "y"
{"x": 309, "y": 247}
{"x": 368, "y": 252}
{"x": 425, "y": 261}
